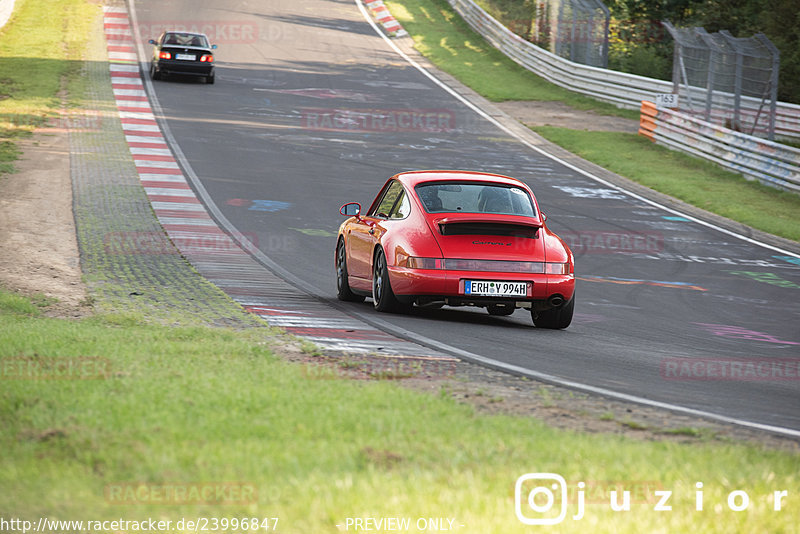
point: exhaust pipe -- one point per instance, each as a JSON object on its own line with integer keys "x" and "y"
{"x": 555, "y": 301}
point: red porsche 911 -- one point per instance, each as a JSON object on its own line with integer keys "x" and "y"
{"x": 456, "y": 238}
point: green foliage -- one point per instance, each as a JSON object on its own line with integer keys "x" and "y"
{"x": 781, "y": 23}
{"x": 649, "y": 61}
{"x": 516, "y": 15}
{"x": 779, "y": 20}
{"x": 639, "y": 44}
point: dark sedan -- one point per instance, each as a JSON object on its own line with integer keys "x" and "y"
{"x": 183, "y": 53}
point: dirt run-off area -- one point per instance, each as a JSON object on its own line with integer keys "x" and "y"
{"x": 563, "y": 116}
{"x": 38, "y": 246}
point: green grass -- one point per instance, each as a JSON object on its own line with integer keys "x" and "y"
{"x": 692, "y": 180}
{"x": 39, "y": 49}
{"x": 444, "y": 38}
{"x": 182, "y": 407}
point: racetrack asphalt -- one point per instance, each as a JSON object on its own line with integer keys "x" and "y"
{"x": 308, "y": 113}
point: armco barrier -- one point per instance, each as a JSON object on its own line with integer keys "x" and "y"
{"x": 624, "y": 90}
{"x": 755, "y": 158}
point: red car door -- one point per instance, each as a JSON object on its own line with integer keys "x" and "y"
{"x": 364, "y": 233}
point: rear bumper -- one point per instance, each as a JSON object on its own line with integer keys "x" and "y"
{"x": 449, "y": 284}
{"x": 188, "y": 68}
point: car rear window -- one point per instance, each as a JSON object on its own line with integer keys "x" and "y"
{"x": 185, "y": 39}
{"x": 475, "y": 198}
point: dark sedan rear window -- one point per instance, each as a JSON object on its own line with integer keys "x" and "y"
{"x": 475, "y": 198}
{"x": 185, "y": 39}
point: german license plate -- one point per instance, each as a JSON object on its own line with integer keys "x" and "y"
{"x": 186, "y": 57}
{"x": 495, "y": 288}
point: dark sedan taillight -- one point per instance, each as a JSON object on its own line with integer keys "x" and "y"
{"x": 206, "y": 58}
{"x": 164, "y": 55}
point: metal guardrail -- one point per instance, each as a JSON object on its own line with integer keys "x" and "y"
{"x": 625, "y": 90}
{"x": 755, "y": 158}
{"x": 619, "y": 88}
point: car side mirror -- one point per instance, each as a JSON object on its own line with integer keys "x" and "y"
{"x": 544, "y": 216}
{"x": 213, "y": 47}
{"x": 152, "y": 41}
{"x": 353, "y": 209}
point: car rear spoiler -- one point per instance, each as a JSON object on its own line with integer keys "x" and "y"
{"x": 517, "y": 220}
{"x": 491, "y": 225}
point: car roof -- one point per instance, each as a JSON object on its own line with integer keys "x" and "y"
{"x": 413, "y": 178}
{"x": 179, "y": 32}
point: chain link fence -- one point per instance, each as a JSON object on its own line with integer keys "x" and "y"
{"x": 726, "y": 80}
{"x": 576, "y": 30}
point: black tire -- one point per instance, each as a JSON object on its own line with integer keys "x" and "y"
{"x": 154, "y": 74}
{"x": 383, "y": 297}
{"x": 557, "y": 319}
{"x": 210, "y": 79}
{"x": 500, "y": 311}
{"x": 343, "y": 291}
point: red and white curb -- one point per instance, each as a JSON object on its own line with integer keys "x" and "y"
{"x": 198, "y": 237}
{"x": 382, "y": 15}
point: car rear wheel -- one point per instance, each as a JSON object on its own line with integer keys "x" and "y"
{"x": 383, "y": 297}
{"x": 500, "y": 310}
{"x": 154, "y": 74}
{"x": 557, "y": 318}
{"x": 210, "y": 79}
{"x": 343, "y": 291}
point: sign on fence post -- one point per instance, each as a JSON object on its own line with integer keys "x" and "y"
{"x": 667, "y": 100}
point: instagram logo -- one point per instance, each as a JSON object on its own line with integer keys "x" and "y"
{"x": 537, "y": 491}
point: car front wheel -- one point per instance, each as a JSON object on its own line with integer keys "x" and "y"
{"x": 343, "y": 291}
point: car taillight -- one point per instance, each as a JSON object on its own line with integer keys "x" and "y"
{"x": 206, "y": 58}
{"x": 485, "y": 265}
{"x": 557, "y": 268}
{"x": 425, "y": 263}
{"x": 164, "y": 55}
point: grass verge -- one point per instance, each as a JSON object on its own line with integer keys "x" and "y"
{"x": 39, "y": 51}
{"x": 445, "y": 39}
{"x": 176, "y": 409}
{"x": 442, "y": 36}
